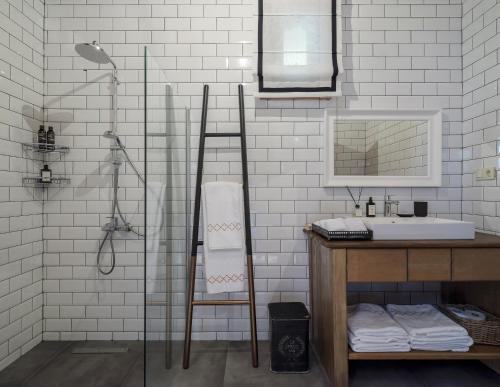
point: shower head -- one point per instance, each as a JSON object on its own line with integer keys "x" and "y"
{"x": 109, "y": 134}
{"x": 94, "y": 53}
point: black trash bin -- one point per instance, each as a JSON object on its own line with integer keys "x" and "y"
{"x": 289, "y": 329}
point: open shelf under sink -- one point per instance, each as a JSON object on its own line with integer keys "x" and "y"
{"x": 477, "y": 352}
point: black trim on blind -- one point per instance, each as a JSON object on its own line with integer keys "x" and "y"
{"x": 260, "y": 48}
{"x": 334, "y": 45}
{"x": 260, "y": 75}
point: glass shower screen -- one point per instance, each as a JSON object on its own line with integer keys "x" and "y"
{"x": 166, "y": 217}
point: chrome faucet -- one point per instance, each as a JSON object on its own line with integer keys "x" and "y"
{"x": 388, "y": 205}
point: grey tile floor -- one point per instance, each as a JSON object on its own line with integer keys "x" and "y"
{"x": 219, "y": 364}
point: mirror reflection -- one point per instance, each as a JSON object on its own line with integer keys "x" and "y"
{"x": 381, "y": 148}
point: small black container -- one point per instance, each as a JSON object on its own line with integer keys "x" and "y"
{"x": 420, "y": 209}
{"x": 289, "y": 327}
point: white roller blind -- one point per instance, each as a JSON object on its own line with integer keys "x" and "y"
{"x": 299, "y": 45}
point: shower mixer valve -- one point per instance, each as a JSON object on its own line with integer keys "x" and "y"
{"x": 114, "y": 226}
{"x": 110, "y": 226}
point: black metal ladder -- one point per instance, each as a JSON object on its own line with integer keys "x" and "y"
{"x": 196, "y": 224}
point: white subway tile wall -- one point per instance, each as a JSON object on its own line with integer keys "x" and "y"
{"x": 405, "y": 55}
{"x": 21, "y": 246}
{"x": 481, "y": 102}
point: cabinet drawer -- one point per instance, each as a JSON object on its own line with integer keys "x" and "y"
{"x": 376, "y": 265}
{"x": 429, "y": 264}
{"x": 481, "y": 264}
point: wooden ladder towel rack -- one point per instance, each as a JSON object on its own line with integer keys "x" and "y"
{"x": 196, "y": 223}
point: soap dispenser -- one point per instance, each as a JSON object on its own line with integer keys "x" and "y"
{"x": 371, "y": 209}
{"x": 46, "y": 174}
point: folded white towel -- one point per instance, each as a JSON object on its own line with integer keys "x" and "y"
{"x": 394, "y": 347}
{"x": 373, "y": 339}
{"x": 372, "y": 320}
{"x": 442, "y": 344}
{"x": 425, "y": 320}
{"x": 441, "y": 347}
{"x": 353, "y": 224}
{"x": 371, "y": 329}
{"x": 464, "y": 340}
{"x": 341, "y": 224}
{"x": 224, "y": 263}
{"x": 332, "y": 224}
{"x": 224, "y": 215}
{"x": 429, "y": 329}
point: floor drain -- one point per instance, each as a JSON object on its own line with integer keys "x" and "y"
{"x": 89, "y": 349}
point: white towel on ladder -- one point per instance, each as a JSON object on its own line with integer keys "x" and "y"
{"x": 223, "y": 213}
{"x": 223, "y": 230}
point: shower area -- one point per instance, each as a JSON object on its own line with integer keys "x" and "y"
{"x": 96, "y": 282}
{"x": 95, "y": 223}
{"x": 161, "y": 170}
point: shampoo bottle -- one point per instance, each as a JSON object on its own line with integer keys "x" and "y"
{"x": 42, "y": 138}
{"x": 51, "y": 139}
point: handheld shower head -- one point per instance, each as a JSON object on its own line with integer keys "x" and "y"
{"x": 109, "y": 134}
{"x": 94, "y": 53}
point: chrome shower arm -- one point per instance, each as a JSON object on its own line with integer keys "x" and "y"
{"x": 112, "y": 63}
{"x": 115, "y": 101}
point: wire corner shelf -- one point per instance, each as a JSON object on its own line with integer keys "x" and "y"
{"x": 46, "y": 148}
{"x": 37, "y": 181}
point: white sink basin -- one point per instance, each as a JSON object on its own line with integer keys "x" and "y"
{"x": 418, "y": 228}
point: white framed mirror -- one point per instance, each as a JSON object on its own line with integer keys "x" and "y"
{"x": 383, "y": 148}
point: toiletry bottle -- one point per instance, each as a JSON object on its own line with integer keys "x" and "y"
{"x": 42, "y": 138}
{"x": 370, "y": 208}
{"x": 358, "y": 213}
{"x": 51, "y": 139}
{"x": 46, "y": 174}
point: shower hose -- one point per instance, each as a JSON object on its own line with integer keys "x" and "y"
{"x": 113, "y": 226}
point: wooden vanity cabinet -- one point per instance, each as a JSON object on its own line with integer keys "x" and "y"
{"x": 429, "y": 264}
{"x": 468, "y": 269}
{"x": 381, "y": 265}
{"x": 476, "y": 264}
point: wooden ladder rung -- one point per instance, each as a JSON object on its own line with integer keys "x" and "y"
{"x": 222, "y": 302}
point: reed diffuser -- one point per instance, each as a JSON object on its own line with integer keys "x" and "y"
{"x": 357, "y": 211}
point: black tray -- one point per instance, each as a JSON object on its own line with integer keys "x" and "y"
{"x": 343, "y": 235}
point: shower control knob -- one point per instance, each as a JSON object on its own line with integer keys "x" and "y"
{"x": 110, "y": 226}
{"x": 124, "y": 227}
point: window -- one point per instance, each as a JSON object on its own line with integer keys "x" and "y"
{"x": 299, "y": 46}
